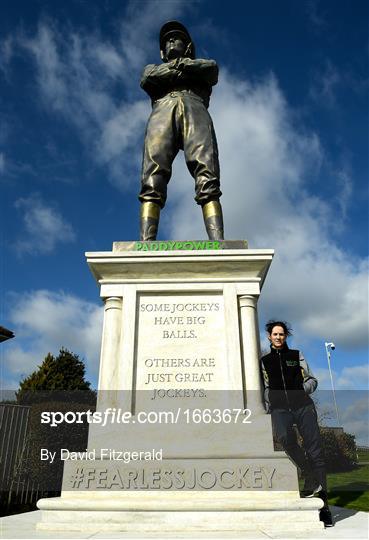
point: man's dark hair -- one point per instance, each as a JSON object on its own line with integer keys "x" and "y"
{"x": 286, "y": 327}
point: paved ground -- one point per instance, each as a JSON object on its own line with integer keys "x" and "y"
{"x": 349, "y": 524}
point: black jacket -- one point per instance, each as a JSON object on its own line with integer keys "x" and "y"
{"x": 287, "y": 379}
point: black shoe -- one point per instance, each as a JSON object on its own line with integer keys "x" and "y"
{"x": 311, "y": 490}
{"x": 326, "y": 516}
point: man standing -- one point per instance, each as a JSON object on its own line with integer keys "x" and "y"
{"x": 288, "y": 382}
{"x": 180, "y": 90}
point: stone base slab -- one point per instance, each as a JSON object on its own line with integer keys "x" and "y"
{"x": 172, "y": 318}
{"x": 215, "y": 511}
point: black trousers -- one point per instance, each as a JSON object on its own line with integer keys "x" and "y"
{"x": 180, "y": 120}
{"x": 311, "y": 456}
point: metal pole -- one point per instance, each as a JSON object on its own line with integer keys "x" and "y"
{"x": 330, "y": 373}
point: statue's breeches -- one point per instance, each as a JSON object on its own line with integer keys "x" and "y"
{"x": 180, "y": 120}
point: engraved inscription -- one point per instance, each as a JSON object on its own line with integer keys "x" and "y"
{"x": 180, "y": 478}
{"x": 181, "y": 348}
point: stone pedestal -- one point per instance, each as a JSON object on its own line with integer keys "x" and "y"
{"x": 181, "y": 336}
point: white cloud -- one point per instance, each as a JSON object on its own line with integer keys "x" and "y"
{"x": 109, "y": 59}
{"x": 353, "y": 377}
{"x": 316, "y": 18}
{"x": 325, "y": 85}
{"x": 328, "y": 82}
{"x": 353, "y": 411}
{"x": 351, "y": 394}
{"x": 140, "y": 29}
{"x": 267, "y": 163}
{"x": 6, "y": 54}
{"x": 355, "y": 419}
{"x": 348, "y": 378}
{"x": 44, "y": 227}
{"x": 120, "y": 135}
{"x": 7, "y": 388}
{"x": 79, "y": 74}
{"x": 345, "y": 183}
{"x": 45, "y": 321}
{"x": 323, "y": 377}
{"x": 358, "y": 408}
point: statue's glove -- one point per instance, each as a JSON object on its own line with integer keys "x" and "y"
{"x": 173, "y": 64}
{"x": 199, "y": 69}
{"x": 181, "y": 63}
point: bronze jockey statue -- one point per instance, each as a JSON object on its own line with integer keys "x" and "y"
{"x": 180, "y": 90}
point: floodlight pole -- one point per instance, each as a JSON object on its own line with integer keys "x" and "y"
{"x": 328, "y": 351}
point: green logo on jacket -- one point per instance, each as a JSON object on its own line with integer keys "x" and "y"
{"x": 292, "y": 363}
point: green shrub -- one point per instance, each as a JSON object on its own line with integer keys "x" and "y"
{"x": 57, "y": 385}
{"x": 340, "y": 450}
{"x": 44, "y": 436}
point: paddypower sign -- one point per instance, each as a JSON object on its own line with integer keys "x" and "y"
{"x": 186, "y": 245}
{"x": 179, "y": 245}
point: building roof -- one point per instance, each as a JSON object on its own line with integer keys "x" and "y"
{"x": 5, "y": 334}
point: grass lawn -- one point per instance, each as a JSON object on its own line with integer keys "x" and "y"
{"x": 350, "y": 489}
{"x": 363, "y": 454}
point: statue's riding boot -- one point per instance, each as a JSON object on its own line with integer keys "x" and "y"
{"x": 150, "y": 215}
{"x": 213, "y": 219}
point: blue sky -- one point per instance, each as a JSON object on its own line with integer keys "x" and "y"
{"x": 291, "y": 116}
